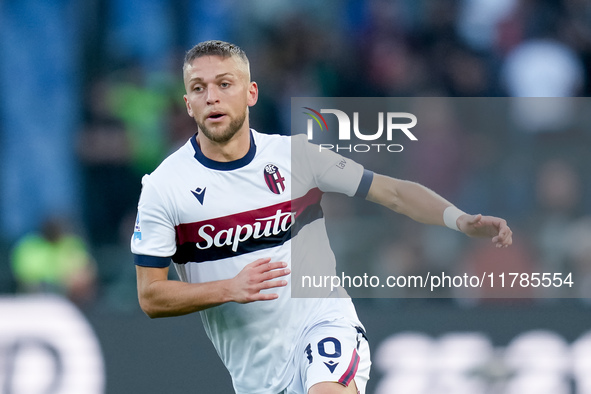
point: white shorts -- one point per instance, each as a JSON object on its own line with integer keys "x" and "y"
{"x": 334, "y": 351}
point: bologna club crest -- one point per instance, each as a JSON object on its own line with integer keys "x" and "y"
{"x": 273, "y": 178}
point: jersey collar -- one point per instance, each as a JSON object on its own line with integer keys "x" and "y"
{"x": 226, "y": 165}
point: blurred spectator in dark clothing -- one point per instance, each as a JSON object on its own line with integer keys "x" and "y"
{"x": 104, "y": 150}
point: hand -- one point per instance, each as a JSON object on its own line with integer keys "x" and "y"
{"x": 256, "y": 276}
{"x": 486, "y": 226}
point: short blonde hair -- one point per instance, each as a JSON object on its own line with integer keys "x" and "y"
{"x": 215, "y": 48}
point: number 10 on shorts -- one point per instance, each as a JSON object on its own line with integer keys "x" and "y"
{"x": 334, "y": 351}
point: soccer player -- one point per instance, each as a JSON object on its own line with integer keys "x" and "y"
{"x": 227, "y": 208}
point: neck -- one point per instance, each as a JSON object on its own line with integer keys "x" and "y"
{"x": 234, "y": 149}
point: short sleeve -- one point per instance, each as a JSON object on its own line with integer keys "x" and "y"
{"x": 154, "y": 240}
{"x": 331, "y": 171}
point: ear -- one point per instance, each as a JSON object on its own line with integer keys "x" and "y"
{"x": 189, "y": 110}
{"x": 253, "y": 94}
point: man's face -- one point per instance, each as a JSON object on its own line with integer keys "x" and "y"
{"x": 219, "y": 93}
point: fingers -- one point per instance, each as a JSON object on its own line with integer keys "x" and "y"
{"x": 264, "y": 265}
{"x": 267, "y": 271}
{"x": 489, "y": 226}
{"x": 261, "y": 275}
{"x": 273, "y": 271}
{"x": 475, "y": 219}
{"x": 271, "y": 268}
{"x": 265, "y": 297}
{"x": 504, "y": 237}
{"x": 470, "y": 222}
{"x": 258, "y": 296}
{"x": 259, "y": 262}
{"x": 270, "y": 284}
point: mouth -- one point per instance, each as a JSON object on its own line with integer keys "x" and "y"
{"x": 215, "y": 116}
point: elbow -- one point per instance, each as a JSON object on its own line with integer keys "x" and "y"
{"x": 154, "y": 315}
{"x": 389, "y": 199}
{"x": 386, "y": 192}
{"x": 149, "y": 308}
{"x": 151, "y": 291}
{"x": 151, "y": 313}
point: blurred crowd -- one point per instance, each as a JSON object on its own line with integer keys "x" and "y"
{"x": 127, "y": 114}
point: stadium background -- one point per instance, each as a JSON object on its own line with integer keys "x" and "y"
{"x": 91, "y": 100}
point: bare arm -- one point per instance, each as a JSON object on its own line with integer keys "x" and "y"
{"x": 161, "y": 297}
{"x": 425, "y": 206}
{"x": 408, "y": 198}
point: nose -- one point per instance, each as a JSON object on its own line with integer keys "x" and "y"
{"x": 212, "y": 96}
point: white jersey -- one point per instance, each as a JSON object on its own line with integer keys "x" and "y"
{"x": 213, "y": 218}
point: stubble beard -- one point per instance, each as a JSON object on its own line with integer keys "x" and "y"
{"x": 224, "y": 135}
